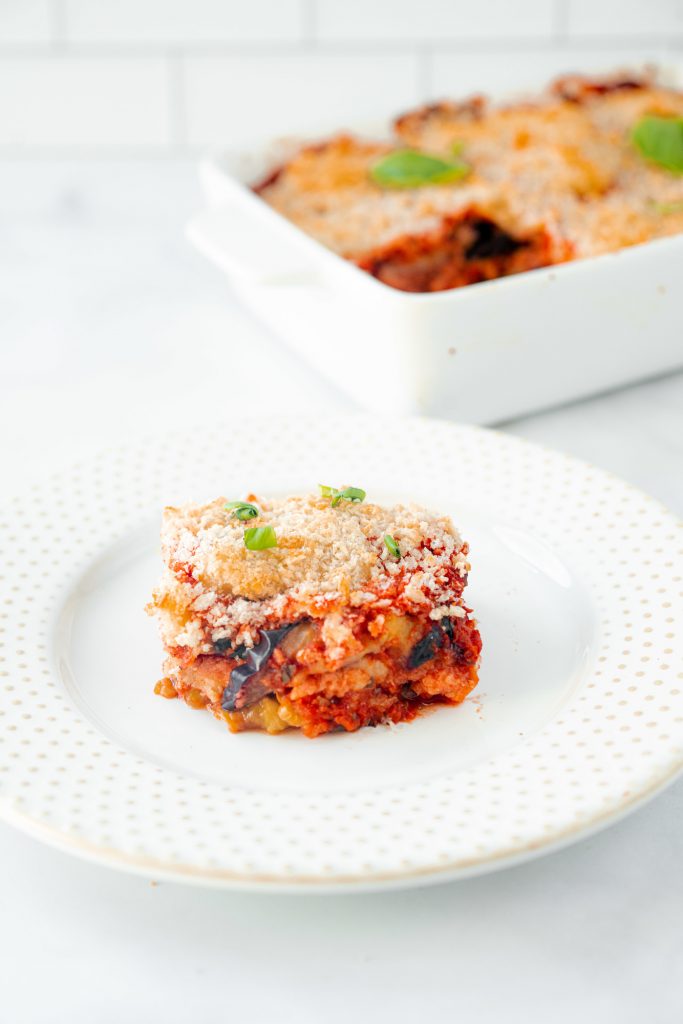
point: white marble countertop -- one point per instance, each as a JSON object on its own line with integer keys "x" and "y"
{"x": 101, "y": 305}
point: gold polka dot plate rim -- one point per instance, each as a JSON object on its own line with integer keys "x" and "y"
{"x": 576, "y": 583}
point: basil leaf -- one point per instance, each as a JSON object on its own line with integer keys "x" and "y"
{"x": 353, "y": 494}
{"x": 408, "y": 168}
{"x": 346, "y": 494}
{"x": 258, "y": 538}
{"x": 242, "y": 510}
{"x": 392, "y": 546}
{"x": 245, "y": 512}
{"x": 660, "y": 139}
{"x": 667, "y": 208}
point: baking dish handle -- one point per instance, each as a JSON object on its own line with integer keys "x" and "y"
{"x": 232, "y": 240}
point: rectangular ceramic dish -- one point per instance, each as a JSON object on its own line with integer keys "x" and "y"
{"x": 482, "y": 353}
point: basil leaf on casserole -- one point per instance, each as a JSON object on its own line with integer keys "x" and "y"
{"x": 665, "y": 209}
{"x": 409, "y": 168}
{"x": 660, "y": 140}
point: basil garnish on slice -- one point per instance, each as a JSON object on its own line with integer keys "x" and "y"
{"x": 392, "y": 546}
{"x": 349, "y": 494}
{"x": 409, "y": 168}
{"x": 258, "y": 538}
{"x": 345, "y": 494}
{"x": 660, "y": 139}
{"x": 242, "y": 510}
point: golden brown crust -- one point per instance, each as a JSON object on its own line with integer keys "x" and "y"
{"x": 561, "y": 170}
{"x": 326, "y": 559}
{"x": 583, "y": 88}
{"x": 410, "y": 125}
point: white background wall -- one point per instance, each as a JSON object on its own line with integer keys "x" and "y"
{"x": 158, "y": 76}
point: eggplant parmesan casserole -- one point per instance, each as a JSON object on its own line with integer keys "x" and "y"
{"x": 316, "y": 612}
{"x": 466, "y": 191}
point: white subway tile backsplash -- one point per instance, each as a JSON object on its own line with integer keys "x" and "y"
{"x": 458, "y": 74}
{"x": 624, "y": 17}
{"x": 83, "y": 102}
{"x": 25, "y": 21}
{"x": 434, "y": 20}
{"x": 162, "y": 74}
{"x": 183, "y": 21}
{"x": 245, "y": 99}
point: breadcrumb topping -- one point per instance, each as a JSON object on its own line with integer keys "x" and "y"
{"x": 327, "y": 559}
{"x": 564, "y": 162}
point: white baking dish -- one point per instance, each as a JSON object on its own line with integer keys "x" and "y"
{"x": 481, "y": 353}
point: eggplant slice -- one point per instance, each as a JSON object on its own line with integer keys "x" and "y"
{"x": 245, "y": 686}
{"x": 425, "y": 649}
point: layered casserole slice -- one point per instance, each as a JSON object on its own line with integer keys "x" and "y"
{"x": 317, "y": 612}
{"x": 467, "y": 191}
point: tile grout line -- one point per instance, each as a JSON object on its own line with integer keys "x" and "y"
{"x": 351, "y": 48}
{"x": 561, "y": 23}
{"x": 425, "y": 77}
{"x": 58, "y": 24}
{"x": 309, "y": 22}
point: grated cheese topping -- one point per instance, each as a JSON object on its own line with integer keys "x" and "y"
{"x": 564, "y": 161}
{"x": 327, "y": 560}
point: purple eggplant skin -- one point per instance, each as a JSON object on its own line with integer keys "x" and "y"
{"x": 490, "y": 240}
{"x": 245, "y": 687}
{"x": 458, "y": 650}
{"x": 224, "y": 646}
{"x": 250, "y": 692}
{"x": 425, "y": 649}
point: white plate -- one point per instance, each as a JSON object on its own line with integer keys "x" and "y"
{"x": 578, "y": 716}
